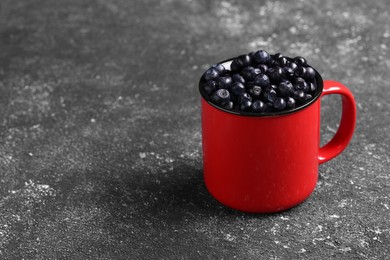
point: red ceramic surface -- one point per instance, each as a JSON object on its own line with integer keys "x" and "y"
{"x": 269, "y": 163}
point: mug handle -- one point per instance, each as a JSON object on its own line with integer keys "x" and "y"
{"x": 347, "y": 123}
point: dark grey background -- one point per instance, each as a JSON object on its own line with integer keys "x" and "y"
{"x": 100, "y": 129}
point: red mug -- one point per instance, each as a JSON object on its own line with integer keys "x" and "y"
{"x": 269, "y": 163}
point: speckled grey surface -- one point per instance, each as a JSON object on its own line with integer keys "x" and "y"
{"x": 100, "y": 129}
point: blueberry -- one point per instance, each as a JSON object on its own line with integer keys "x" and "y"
{"x": 245, "y": 105}
{"x": 258, "y": 106}
{"x": 248, "y": 73}
{"x": 312, "y": 87}
{"x": 243, "y": 97}
{"x": 211, "y": 74}
{"x": 301, "y": 84}
{"x": 300, "y": 71}
{"x": 234, "y": 67}
{"x": 210, "y": 86}
{"x": 299, "y": 96}
{"x": 285, "y": 88}
{"x": 270, "y": 96}
{"x": 290, "y": 103}
{"x": 280, "y": 104}
{"x": 221, "y": 96}
{"x": 292, "y": 65}
{"x": 308, "y": 97}
{"x": 309, "y": 73}
{"x": 277, "y": 56}
{"x": 238, "y": 78}
{"x": 275, "y": 73}
{"x": 262, "y": 80}
{"x": 263, "y": 68}
{"x": 238, "y": 88}
{"x": 300, "y": 61}
{"x": 225, "y": 82}
{"x": 288, "y": 72}
{"x": 282, "y": 61}
{"x": 219, "y": 67}
{"x": 269, "y": 106}
{"x": 228, "y": 105}
{"x": 244, "y": 60}
{"x": 262, "y": 57}
{"x": 255, "y": 92}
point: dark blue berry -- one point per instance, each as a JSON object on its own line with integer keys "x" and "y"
{"x": 263, "y": 68}
{"x": 277, "y": 56}
{"x": 282, "y": 61}
{"x": 238, "y": 78}
{"x": 255, "y": 92}
{"x": 299, "y": 96}
{"x": 248, "y": 73}
{"x": 234, "y": 67}
{"x": 225, "y": 82}
{"x": 262, "y": 80}
{"x": 285, "y": 88}
{"x": 270, "y": 96}
{"x": 300, "y": 71}
{"x": 258, "y": 106}
{"x": 221, "y": 96}
{"x": 300, "y": 61}
{"x": 308, "y": 97}
{"x": 292, "y": 65}
{"x": 312, "y": 87}
{"x": 288, "y": 72}
{"x": 309, "y": 73}
{"x": 244, "y": 60}
{"x": 275, "y": 73}
{"x": 301, "y": 84}
{"x": 262, "y": 57}
{"x": 243, "y": 97}
{"x": 238, "y": 88}
{"x": 228, "y": 105}
{"x": 280, "y": 104}
{"x": 210, "y": 86}
{"x": 290, "y": 103}
{"x": 219, "y": 67}
{"x": 211, "y": 74}
{"x": 245, "y": 105}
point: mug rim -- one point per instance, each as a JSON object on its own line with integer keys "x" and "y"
{"x": 318, "y": 81}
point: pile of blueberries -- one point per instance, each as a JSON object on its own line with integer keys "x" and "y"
{"x": 260, "y": 83}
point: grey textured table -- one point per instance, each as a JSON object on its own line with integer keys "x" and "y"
{"x": 100, "y": 129}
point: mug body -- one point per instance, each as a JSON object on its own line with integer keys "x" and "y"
{"x": 260, "y": 163}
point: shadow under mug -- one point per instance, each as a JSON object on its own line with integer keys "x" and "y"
{"x": 269, "y": 163}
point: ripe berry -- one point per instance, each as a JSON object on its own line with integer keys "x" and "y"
{"x": 258, "y": 106}
{"x": 248, "y": 73}
{"x": 300, "y": 61}
{"x": 282, "y": 61}
{"x": 261, "y": 57}
{"x": 312, "y": 87}
{"x": 211, "y": 73}
{"x": 263, "y": 68}
{"x": 244, "y": 60}
{"x": 262, "y": 80}
{"x": 221, "y": 96}
{"x": 238, "y": 88}
{"x": 245, "y": 105}
{"x": 310, "y": 73}
{"x": 280, "y": 104}
{"x": 290, "y": 103}
{"x": 243, "y": 97}
{"x": 308, "y": 97}
{"x": 285, "y": 88}
{"x": 235, "y": 67}
{"x": 225, "y": 82}
{"x": 255, "y": 92}
{"x": 238, "y": 78}
{"x": 270, "y": 96}
{"x": 210, "y": 86}
{"x": 300, "y": 71}
{"x": 301, "y": 84}
{"x": 299, "y": 96}
{"x": 219, "y": 67}
{"x": 275, "y": 73}
{"x": 277, "y": 56}
{"x": 288, "y": 72}
{"x": 228, "y": 105}
{"x": 292, "y": 65}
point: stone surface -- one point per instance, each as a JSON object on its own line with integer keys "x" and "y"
{"x": 100, "y": 129}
